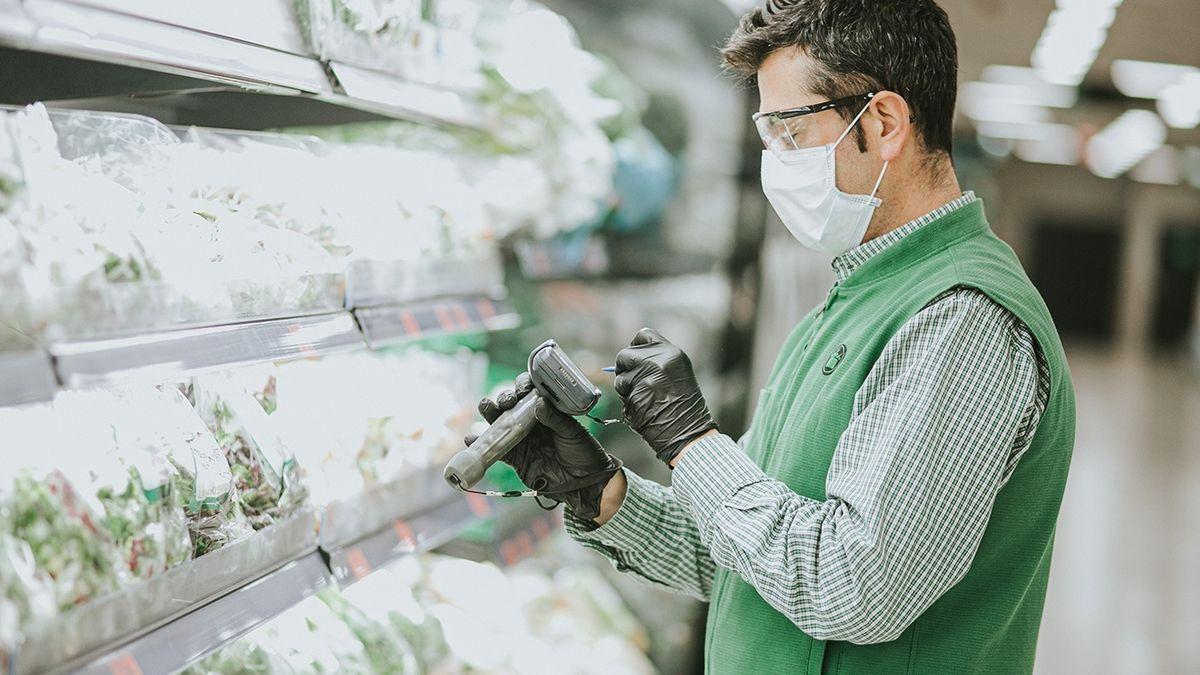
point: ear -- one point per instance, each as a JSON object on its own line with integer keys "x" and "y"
{"x": 894, "y": 118}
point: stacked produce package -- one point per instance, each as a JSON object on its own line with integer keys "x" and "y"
{"x": 435, "y": 614}
{"x": 104, "y": 488}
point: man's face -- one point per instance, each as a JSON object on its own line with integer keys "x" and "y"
{"x": 785, "y": 81}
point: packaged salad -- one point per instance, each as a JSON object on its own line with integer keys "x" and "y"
{"x": 237, "y": 407}
{"x": 203, "y": 484}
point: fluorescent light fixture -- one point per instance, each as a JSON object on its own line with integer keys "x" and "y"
{"x": 1021, "y": 132}
{"x": 991, "y": 110}
{"x": 1059, "y": 144}
{"x": 1124, "y": 143}
{"x": 1179, "y": 103}
{"x": 1146, "y": 79}
{"x": 1161, "y": 167}
{"x": 1072, "y": 38}
{"x": 1040, "y": 94}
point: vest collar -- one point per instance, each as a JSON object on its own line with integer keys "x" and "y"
{"x": 845, "y": 264}
{"x": 918, "y": 244}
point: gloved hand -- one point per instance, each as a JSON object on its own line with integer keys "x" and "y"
{"x": 558, "y": 458}
{"x": 661, "y": 398}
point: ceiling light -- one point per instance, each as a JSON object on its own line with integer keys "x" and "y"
{"x": 1058, "y": 144}
{"x": 1020, "y": 131}
{"x": 1124, "y": 143}
{"x": 989, "y": 110}
{"x": 1072, "y": 38}
{"x": 1160, "y": 166}
{"x": 1179, "y": 103}
{"x": 1042, "y": 93}
{"x": 1146, "y": 79}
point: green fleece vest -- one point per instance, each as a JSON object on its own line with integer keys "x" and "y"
{"x": 988, "y": 622}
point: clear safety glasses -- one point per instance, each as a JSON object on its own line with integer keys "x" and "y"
{"x": 784, "y": 131}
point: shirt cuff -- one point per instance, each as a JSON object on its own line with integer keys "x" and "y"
{"x": 630, "y": 527}
{"x": 712, "y": 471}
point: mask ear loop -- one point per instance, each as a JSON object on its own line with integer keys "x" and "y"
{"x": 880, "y": 179}
{"x": 851, "y": 125}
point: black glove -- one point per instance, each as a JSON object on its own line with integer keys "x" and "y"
{"x": 558, "y": 458}
{"x": 661, "y": 398}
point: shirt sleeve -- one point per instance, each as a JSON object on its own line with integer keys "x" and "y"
{"x": 937, "y": 428}
{"x": 651, "y": 536}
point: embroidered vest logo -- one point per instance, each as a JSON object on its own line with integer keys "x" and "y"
{"x": 835, "y": 360}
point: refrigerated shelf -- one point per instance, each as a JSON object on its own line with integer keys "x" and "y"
{"x": 26, "y": 377}
{"x": 395, "y": 324}
{"x": 404, "y": 536}
{"x": 188, "y": 60}
{"x": 193, "y": 636}
{"x": 174, "y": 354}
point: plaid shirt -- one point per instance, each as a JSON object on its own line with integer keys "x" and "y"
{"x": 904, "y": 514}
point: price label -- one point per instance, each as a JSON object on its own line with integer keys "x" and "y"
{"x": 460, "y": 315}
{"x": 357, "y": 562}
{"x": 478, "y": 504}
{"x": 486, "y": 310}
{"x": 541, "y": 529}
{"x": 404, "y": 533}
{"x": 410, "y": 323}
{"x": 305, "y": 349}
{"x": 524, "y": 543}
{"x": 124, "y": 663}
{"x": 443, "y": 317}
{"x": 508, "y": 552}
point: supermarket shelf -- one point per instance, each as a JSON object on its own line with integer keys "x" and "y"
{"x": 220, "y": 63}
{"x": 405, "y": 536}
{"x": 26, "y": 377}
{"x": 513, "y": 533}
{"x": 172, "y": 354}
{"x": 199, "y": 633}
{"x": 101, "y": 34}
{"x": 393, "y": 324}
{"x": 395, "y": 97}
{"x": 370, "y": 283}
{"x": 162, "y": 622}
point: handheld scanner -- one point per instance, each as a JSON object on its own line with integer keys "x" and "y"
{"x": 556, "y": 381}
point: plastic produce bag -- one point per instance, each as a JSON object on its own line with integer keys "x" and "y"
{"x": 203, "y": 484}
{"x": 386, "y": 597}
{"x": 237, "y": 407}
{"x": 26, "y": 593}
{"x": 386, "y": 651}
{"x": 119, "y": 456}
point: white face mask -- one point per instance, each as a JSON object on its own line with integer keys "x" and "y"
{"x": 802, "y": 188}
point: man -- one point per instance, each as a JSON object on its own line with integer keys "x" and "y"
{"x": 892, "y": 508}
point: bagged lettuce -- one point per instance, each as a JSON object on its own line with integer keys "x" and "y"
{"x": 237, "y": 408}
{"x": 120, "y": 456}
{"x": 202, "y": 483}
{"x": 386, "y": 651}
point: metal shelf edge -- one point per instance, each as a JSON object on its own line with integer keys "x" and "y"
{"x": 170, "y": 354}
{"x": 196, "y": 634}
{"x": 393, "y": 324}
{"x": 406, "y": 536}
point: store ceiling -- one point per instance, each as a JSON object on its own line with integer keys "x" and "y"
{"x": 1002, "y": 31}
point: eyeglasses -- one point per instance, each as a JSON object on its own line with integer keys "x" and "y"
{"x": 786, "y": 130}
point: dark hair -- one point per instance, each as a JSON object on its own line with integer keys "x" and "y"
{"x": 905, "y": 46}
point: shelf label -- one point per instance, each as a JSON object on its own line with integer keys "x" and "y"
{"x": 404, "y": 533}
{"x": 124, "y": 663}
{"x": 410, "y": 323}
{"x": 460, "y": 315}
{"x": 443, "y": 318}
{"x": 486, "y": 310}
{"x": 359, "y": 566}
{"x": 478, "y": 504}
{"x": 508, "y": 552}
{"x": 541, "y": 529}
